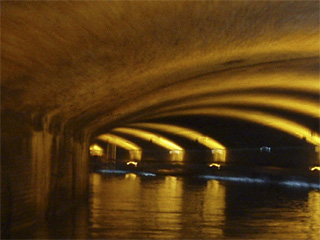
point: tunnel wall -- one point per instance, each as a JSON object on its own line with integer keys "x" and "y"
{"x": 18, "y": 195}
{"x": 43, "y": 174}
{"x": 41, "y": 144}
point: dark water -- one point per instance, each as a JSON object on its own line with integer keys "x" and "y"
{"x": 129, "y": 206}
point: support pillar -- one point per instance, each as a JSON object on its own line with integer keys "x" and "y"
{"x": 111, "y": 151}
{"x": 42, "y": 173}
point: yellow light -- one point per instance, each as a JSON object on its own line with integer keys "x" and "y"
{"x": 130, "y": 176}
{"x": 132, "y": 163}
{"x": 214, "y": 203}
{"x": 156, "y": 139}
{"x": 294, "y": 104}
{"x": 189, "y": 134}
{"x": 219, "y": 155}
{"x": 316, "y": 168}
{"x": 96, "y": 150}
{"x": 215, "y": 164}
{"x": 134, "y": 150}
{"x": 96, "y": 147}
{"x": 313, "y": 208}
{"x": 184, "y": 132}
{"x": 272, "y": 121}
{"x": 267, "y": 76}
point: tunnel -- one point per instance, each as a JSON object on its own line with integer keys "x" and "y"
{"x": 242, "y": 76}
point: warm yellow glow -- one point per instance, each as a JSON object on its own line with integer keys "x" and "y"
{"x": 184, "y": 132}
{"x": 294, "y": 104}
{"x": 214, "y": 205}
{"x": 290, "y": 76}
{"x": 219, "y": 155}
{"x": 176, "y": 155}
{"x": 168, "y": 198}
{"x": 189, "y": 134}
{"x": 134, "y": 150}
{"x": 174, "y": 151}
{"x": 235, "y": 80}
{"x": 313, "y": 209}
{"x": 316, "y": 168}
{"x": 156, "y": 139}
{"x": 132, "y": 163}
{"x": 272, "y": 121}
{"x": 215, "y": 164}
{"x": 96, "y": 150}
{"x": 130, "y": 176}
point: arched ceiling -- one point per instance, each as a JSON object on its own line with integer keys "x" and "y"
{"x": 95, "y": 66}
{"x": 119, "y": 141}
{"x": 184, "y": 132}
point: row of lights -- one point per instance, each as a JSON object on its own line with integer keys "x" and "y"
{"x": 218, "y": 166}
{"x": 134, "y": 163}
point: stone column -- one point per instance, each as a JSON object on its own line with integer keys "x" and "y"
{"x": 43, "y": 172}
{"x": 111, "y": 151}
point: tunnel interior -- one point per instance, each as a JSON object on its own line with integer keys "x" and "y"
{"x": 212, "y": 81}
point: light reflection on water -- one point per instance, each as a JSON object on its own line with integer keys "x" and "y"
{"x": 136, "y": 207}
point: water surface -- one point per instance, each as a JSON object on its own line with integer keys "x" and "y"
{"x": 129, "y": 206}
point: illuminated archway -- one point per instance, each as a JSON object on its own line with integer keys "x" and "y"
{"x": 276, "y": 101}
{"x": 218, "y": 150}
{"x": 134, "y": 150}
{"x": 96, "y": 150}
{"x": 288, "y": 126}
{"x": 176, "y": 151}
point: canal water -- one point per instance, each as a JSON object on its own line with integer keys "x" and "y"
{"x": 143, "y": 206}
{"x": 130, "y": 206}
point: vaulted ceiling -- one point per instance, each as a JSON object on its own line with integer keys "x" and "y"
{"x": 226, "y": 69}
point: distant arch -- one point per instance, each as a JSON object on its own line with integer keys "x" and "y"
{"x": 218, "y": 150}
{"x": 176, "y": 151}
{"x": 134, "y": 150}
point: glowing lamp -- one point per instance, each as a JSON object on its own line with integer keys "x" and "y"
{"x": 316, "y": 168}
{"x": 215, "y": 165}
{"x": 132, "y": 163}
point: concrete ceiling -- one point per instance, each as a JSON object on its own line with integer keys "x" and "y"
{"x": 92, "y": 66}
